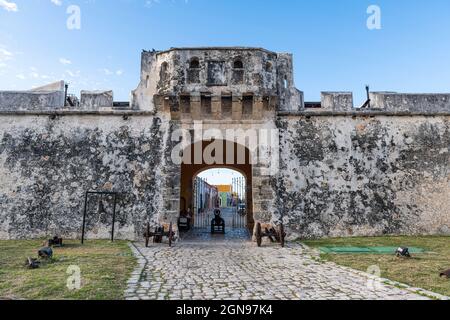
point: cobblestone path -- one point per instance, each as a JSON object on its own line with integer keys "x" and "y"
{"x": 223, "y": 269}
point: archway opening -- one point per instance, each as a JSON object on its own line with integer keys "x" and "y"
{"x": 225, "y": 184}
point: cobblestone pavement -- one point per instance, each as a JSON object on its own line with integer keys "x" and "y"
{"x": 228, "y": 269}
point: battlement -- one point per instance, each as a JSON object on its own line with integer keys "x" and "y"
{"x": 229, "y": 82}
{"x": 49, "y": 97}
{"x": 387, "y": 102}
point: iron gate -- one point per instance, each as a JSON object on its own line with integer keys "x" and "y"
{"x": 235, "y": 216}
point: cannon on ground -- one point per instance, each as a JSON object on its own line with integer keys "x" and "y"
{"x": 273, "y": 233}
{"x": 218, "y": 223}
{"x": 54, "y": 242}
{"x": 159, "y": 234}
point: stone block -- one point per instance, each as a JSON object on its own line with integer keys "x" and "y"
{"x": 337, "y": 101}
{"x": 96, "y": 100}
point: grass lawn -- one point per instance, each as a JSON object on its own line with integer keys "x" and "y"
{"x": 422, "y": 270}
{"x": 105, "y": 269}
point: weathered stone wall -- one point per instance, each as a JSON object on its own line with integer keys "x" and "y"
{"x": 46, "y": 166}
{"x": 360, "y": 176}
{"x": 340, "y": 175}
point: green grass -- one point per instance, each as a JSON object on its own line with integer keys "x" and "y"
{"x": 422, "y": 270}
{"x": 105, "y": 269}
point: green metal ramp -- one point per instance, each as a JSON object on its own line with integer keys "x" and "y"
{"x": 367, "y": 250}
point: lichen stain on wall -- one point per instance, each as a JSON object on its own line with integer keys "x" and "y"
{"x": 48, "y": 165}
{"x": 344, "y": 176}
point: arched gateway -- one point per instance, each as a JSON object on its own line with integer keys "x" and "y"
{"x": 228, "y": 155}
{"x": 224, "y": 108}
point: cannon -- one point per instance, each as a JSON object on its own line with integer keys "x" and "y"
{"x": 159, "y": 234}
{"x": 54, "y": 242}
{"x": 218, "y": 223}
{"x": 273, "y": 234}
{"x": 45, "y": 253}
{"x": 32, "y": 263}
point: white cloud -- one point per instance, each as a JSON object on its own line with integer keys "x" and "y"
{"x": 8, "y": 6}
{"x": 107, "y": 72}
{"x": 56, "y": 2}
{"x": 64, "y": 61}
{"x": 5, "y": 54}
{"x": 73, "y": 74}
{"x": 20, "y": 76}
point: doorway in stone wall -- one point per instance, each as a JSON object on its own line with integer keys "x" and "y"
{"x": 225, "y": 185}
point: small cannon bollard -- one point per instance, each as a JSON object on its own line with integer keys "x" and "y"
{"x": 218, "y": 223}
{"x": 45, "y": 253}
{"x": 159, "y": 234}
{"x": 32, "y": 263}
{"x": 273, "y": 234}
{"x": 54, "y": 242}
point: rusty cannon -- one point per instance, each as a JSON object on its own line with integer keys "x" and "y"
{"x": 275, "y": 234}
{"x": 218, "y": 223}
{"x": 159, "y": 234}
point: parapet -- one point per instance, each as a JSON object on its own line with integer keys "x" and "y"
{"x": 337, "y": 101}
{"x": 402, "y": 102}
{"x": 49, "y": 97}
{"x": 96, "y": 100}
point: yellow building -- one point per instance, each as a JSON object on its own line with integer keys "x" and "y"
{"x": 225, "y": 195}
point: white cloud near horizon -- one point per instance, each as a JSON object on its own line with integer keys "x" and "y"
{"x": 65, "y": 61}
{"x": 56, "y": 2}
{"x": 9, "y": 6}
{"x": 109, "y": 72}
{"x": 5, "y": 56}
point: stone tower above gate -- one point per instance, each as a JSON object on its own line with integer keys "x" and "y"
{"x": 213, "y": 82}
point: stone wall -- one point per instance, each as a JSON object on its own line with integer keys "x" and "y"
{"x": 343, "y": 171}
{"x": 46, "y": 166}
{"x": 362, "y": 176}
{"x": 340, "y": 175}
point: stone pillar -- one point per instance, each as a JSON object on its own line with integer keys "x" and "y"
{"x": 159, "y": 103}
{"x": 166, "y": 104}
{"x": 175, "y": 108}
{"x": 237, "y": 107}
{"x": 196, "y": 106}
{"x": 262, "y": 197}
{"x": 258, "y": 107}
{"x": 216, "y": 107}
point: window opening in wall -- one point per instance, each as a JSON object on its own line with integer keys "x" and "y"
{"x": 195, "y": 63}
{"x": 164, "y": 71}
{"x": 238, "y": 64}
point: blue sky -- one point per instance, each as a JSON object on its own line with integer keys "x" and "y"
{"x": 220, "y": 176}
{"x": 332, "y": 46}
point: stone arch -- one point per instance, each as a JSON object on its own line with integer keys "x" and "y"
{"x": 192, "y": 169}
